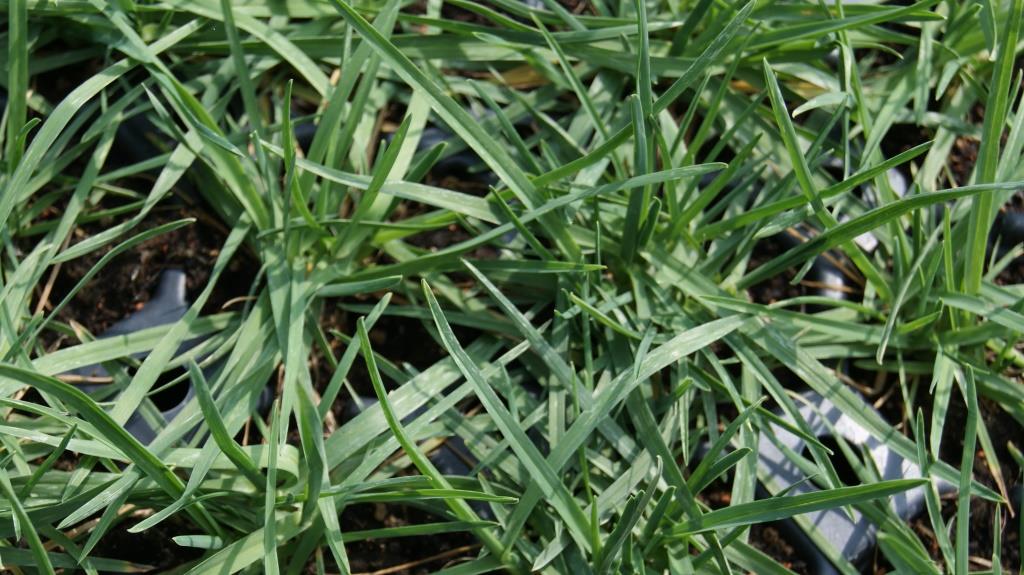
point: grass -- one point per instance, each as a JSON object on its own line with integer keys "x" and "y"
{"x": 590, "y": 310}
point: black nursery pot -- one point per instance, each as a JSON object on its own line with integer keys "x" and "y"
{"x": 854, "y": 538}
{"x": 462, "y": 167}
{"x": 167, "y": 305}
{"x": 1007, "y": 234}
{"x": 1007, "y": 231}
{"x": 137, "y": 140}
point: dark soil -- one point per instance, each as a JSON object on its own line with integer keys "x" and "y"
{"x": 406, "y": 340}
{"x": 717, "y": 495}
{"x": 776, "y": 288}
{"x": 440, "y": 238}
{"x": 152, "y": 547}
{"x": 577, "y": 6}
{"x": 460, "y": 179}
{"x": 55, "y": 86}
{"x": 964, "y": 153}
{"x": 125, "y": 284}
{"x": 1013, "y": 274}
{"x": 903, "y": 137}
{"x": 1002, "y": 428}
{"x": 457, "y": 14}
{"x": 962, "y": 158}
{"x": 402, "y": 340}
{"x": 449, "y": 12}
{"x": 767, "y": 538}
{"x": 407, "y": 555}
{"x": 1016, "y": 203}
{"x": 780, "y": 287}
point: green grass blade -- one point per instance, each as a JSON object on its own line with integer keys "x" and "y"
{"x": 24, "y": 522}
{"x": 963, "y": 510}
{"x": 456, "y": 503}
{"x": 784, "y": 507}
{"x": 982, "y": 209}
{"x": 521, "y": 444}
{"x": 460, "y": 121}
{"x": 219, "y": 432}
{"x": 17, "y": 81}
{"x": 846, "y": 231}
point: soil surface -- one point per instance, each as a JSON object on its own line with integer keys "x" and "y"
{"x": 396, "y": 338}
{"x": 406, "y": 555}
{"x": 962, "y": 158}
{"x": 152, "y": 547}
{"x": 767, "y": 538}
{"x": 777, "y": 288}
{"x": 964, "y": 153}
{"x": 1002, "y": 428}
{"x": 780, "y": 287}
{"x": 126, "y": 283}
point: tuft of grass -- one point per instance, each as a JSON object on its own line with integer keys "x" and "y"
{"x": 544, "y": 237}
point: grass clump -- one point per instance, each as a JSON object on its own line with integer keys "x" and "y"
{"x": 508, "y": 286}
